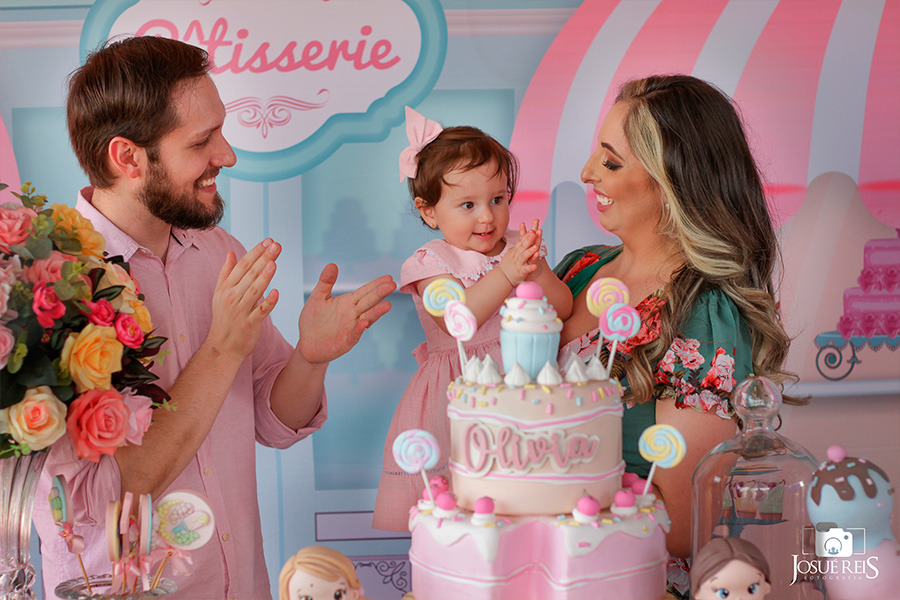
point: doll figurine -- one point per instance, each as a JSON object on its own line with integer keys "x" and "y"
{"x": 730, "y": 568}
{"x": 319, "y": 573}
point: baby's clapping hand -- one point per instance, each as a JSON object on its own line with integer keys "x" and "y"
{"x": 521, "y": 260}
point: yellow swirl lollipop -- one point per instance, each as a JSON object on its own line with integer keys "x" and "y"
{"x": 662, "y": 445}
{"x": 439, "y": 292}
{"x": 605, "y": 292}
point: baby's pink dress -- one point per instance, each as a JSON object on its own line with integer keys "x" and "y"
{"x": 424, "y": 403}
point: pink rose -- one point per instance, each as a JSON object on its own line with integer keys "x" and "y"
{"x": 47, "y": 269}
{"x": 14, "y": 224}
{"x": 141, "y": 409}
{"x": 102, "y": 313}
{"x": 37, "y": 420}
{"x": 720, "y": 372}
{"x": 7, "y": 343}
{"x": 128, "y": 332}
{"x": 667, "y": 362}
{"x": 46, "y": 305}
{"x": 97, "y": 423}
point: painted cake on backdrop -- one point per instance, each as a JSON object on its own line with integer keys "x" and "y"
{"x": 873, "y": 308}
{"x": 539, "y": 506}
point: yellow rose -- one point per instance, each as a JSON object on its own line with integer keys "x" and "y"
{"x": 92, "y": 356}
{"x": 38, "y": 420}
{"x": 115, "y": 275}
{"x": 141, "y": 315}
{"x": 66, "y": 217}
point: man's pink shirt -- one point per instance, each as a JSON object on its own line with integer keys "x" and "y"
{"x": 178, "y": 295}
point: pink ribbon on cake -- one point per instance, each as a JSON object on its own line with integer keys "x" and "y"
{"x": 420, "y": 131}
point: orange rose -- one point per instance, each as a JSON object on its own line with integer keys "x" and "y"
{"x": 115, "y": 275}
{"x": 37, "y": 421}
{"x": 92, "y": 356}
{"x": 98, "y": 422}
{"x": 66, "y": 217}
{"x": 140, "y": 314}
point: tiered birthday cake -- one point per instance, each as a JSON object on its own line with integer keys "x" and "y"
{"x": 873, "y": 308}
{"x": 537, "y": 507}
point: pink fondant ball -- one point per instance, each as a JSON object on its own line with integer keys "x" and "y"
{"x": 446, "y": 501}
{"x": 629, "y": 478}
{"x": 529, "y": 290}
{"x": 484, "y": 506}
{"x": 624, "y": 498}
{"x": 836, "y": 453}
{"x": 637, "y": 486}
{"x": 588, "y": 506}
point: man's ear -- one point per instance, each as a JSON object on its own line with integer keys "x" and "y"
{"x": 426, "y": 211}
{"x": 126, "y": 157}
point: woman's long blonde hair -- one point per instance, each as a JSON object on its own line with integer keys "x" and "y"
{"x": 689, "y": 137}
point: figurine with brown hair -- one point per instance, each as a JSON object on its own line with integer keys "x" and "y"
{"x": 319, "y": 573}
{"x": 730, "y": 568}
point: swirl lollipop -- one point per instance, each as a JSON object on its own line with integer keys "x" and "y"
{"x": 416, "y": 450}
{"x": 602, "y": 294}
{"x": 619, "y": 322}
{"x": 61, "y": 510}
{"x": 439, "y": 292}
{"x": 662, "y": 445}
{"x": 462, "y": 325}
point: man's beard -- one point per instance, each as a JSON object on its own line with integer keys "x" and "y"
{"x": 180, "y": 210}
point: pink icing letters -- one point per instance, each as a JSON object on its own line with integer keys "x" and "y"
{"x": 515, "y": 451}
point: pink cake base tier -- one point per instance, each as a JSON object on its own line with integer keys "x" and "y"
{"x": 540, "y": 558}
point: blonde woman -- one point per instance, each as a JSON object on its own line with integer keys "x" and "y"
{"x": 319, "y": 573}
{"x": 676, "y": 182}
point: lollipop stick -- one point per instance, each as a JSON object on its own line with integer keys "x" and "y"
{"x": 427, "y": 486}
{"x": 87, "y": 581}
{"x": 612, "y": 355}
{"x": 599, "y": 343}
{"x": 649, "y": 478}
{"x": 462, "y": 356}
{"x": 159, "y": 571}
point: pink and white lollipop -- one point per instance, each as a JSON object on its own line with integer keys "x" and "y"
{"x": 602, "y": 294}
{"x": 416, "y": 450}
{"x": 462, "y": 325}
{"x": 620, "y": 322}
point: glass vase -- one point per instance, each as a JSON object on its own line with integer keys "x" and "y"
{"x": 754, "y": 487}
{"x": 19, "y": 476}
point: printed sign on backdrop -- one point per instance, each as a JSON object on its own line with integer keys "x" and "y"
{"x": 298, "y": 77}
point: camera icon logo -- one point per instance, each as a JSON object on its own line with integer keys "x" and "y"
{"x": 833, "y": 541}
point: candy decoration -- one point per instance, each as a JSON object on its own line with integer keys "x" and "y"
{"x": 439, "y": 292}
{"x": 462, "y": 325}
{"x": 61, "y": 510}
{"x": 619, "y": 322}
{"x": 125, "y": 532}
{"x": 662, "y": 445}
{"x": 602, "y": 294}
{"x": 605, "y": 292}
{"x": 145, "y": 536}
{"x": 416, "y": 450}
{"x": 183, "y": 522}
{"x": 114, "y": 540}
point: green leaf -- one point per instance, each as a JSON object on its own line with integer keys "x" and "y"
{"x": 21, "y": 251}
{"x": 64, "y": 290}
{"x": 13, "y": 392}
{"x": 109, "y": 293}
{"x": 40, "y": 247}
{"x": 3, "y": 186}
{"x": 37, "y": 371}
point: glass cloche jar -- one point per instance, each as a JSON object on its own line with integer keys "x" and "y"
{"x": 754, "y": 487}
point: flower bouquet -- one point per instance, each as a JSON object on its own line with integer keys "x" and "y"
{"x": 76, "y": 345}
{"x": 76, "y": 341}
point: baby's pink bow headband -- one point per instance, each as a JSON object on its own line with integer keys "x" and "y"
{"x": 421, "y": 132}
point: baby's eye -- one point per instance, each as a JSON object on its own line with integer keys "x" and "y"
{"x": 611, "y": 165}
{"x": 468, "y": 205}
{"x": 498, "y": 200}
{"x": 722, "y": 593}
